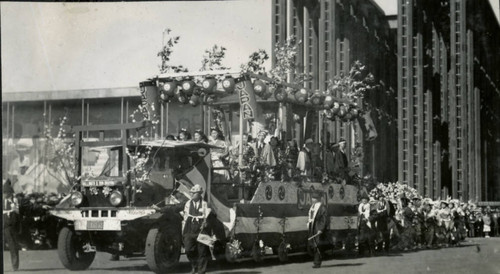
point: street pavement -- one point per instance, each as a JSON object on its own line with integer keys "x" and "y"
{"x": 477, "y": 255}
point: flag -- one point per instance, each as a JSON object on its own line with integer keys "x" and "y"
{"x": 198, "y": 174}
{"x": 247, "y": 97}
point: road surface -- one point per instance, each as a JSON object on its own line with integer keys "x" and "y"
{"x": 476, "y": 256}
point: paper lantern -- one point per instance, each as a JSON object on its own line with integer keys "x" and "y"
{"x": 335, "y": 107}
{"x": 188, "y": 87}
{"x": 342, "y": 111}
{"x": 301, "y": 95}
{"x": 280, "y": 94}
{"x": 354, "y": 112}
{"x": 328, "y": 102}
{"x": 317, "y": 98}
{"x": 228, "y": 84}
{"x": 194, "y": 100}
{"x": 208, "y": 85}
{"x": 260, "y": 88}
{"x": 164, "y": 96}
{"x": 169, "y": 88}
{"x": 183, "y": 99}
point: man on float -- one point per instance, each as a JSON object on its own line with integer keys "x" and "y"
{"x": 317, "y": 225}
{"x": 195, "y": 214}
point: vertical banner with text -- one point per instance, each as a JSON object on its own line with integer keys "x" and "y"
{"x": 248, "y": 104}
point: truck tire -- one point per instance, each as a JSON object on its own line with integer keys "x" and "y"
{"x": 163, "y": 250}
{"x": 69, "y": 248}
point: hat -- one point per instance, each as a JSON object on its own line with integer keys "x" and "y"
{"x": 444, "y": 202}
{"x": 364, "y": 196}
{"x": 309, "y": 141}
{"x": 316, "y": 194}
{"x": 7, "y": 188}
{"x": 196, "y": 189}
{"x": 341, "y": 140}
{"x": 416, "y": 198}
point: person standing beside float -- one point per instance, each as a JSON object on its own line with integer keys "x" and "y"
{"x": 195, "y": 215}
{"x": 317, "y": 225}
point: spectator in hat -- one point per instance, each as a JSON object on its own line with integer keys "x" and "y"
{"x": 494, "y": 222}
{"x": 11, "y": 221}
{"x": 317, "y": 225}
{"x": 304, "y": 159}
{"x": 195, "y": 215}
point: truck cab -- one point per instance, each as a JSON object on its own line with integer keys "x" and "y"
{"x": 113, "y": 206}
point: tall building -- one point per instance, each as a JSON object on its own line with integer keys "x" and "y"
{"x": 448, "y": 87}
{"x": 334, "y": 34}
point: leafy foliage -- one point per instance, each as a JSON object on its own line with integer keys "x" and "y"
{"x": 212, "y": 59}
{"x": 166, "y": 52}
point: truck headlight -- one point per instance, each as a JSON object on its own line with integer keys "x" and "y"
{"x": 76, "y": 198}
{"x": 115, "y": 198}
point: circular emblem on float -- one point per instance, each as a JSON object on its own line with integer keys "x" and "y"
{"x": 330, "y": 192}
{"x": 342, "y": 192}
{"x": 269, "y": 192}
{"x": 312, "y": 188}
{"x": 281, "y": 193}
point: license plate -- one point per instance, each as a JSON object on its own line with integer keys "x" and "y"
{"x": 95, "y": 225}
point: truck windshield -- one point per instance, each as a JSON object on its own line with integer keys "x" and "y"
{"x": 101, "y": 161}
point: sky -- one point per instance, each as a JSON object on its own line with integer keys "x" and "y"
{"x": 60, "y": 46}
{"x": 67, "y": 46}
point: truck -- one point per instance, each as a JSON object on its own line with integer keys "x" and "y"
{"x": 112, "y": 210}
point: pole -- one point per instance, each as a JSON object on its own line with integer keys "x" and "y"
{"x": 240, "y": 149}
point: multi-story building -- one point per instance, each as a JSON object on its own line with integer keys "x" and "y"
{"x": 335, "y": 34}
{"x": 448, "y": 93}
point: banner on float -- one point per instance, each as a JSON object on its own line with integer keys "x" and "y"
{"x": 248, "y": 103}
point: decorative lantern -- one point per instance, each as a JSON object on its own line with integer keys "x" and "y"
{"x": 329, "y": 114}
{"x": 335, "y": 108}
{"x": 170, "y": 88}
{"x": 260, "y": 88}
{"x": 342, "y": 111}
{"x": 317, "y": 98}
{"x": 301, "y": 95}
{"x": 228, "y": 84}
{"x": 209, "y": 84}
{"x": 354, "y": 112}
{"x": 194, "y": 100}
{"x": 183, "y": 99}
{"x": 328, "y": 102}
{"x": 164, "y": 96}
{"x": 188, "y": 87}
{"x": 280, "y": 94}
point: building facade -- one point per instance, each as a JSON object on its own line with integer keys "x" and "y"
{"x": 447, "y": 93}
{"x": 27, "y": 115}
{"x": 335, "y": 34}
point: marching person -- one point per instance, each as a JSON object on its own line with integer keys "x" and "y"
{"x": 11, "y": 223}
{"x": 195, "y": 214}
{"x": 364, "y": 227}
{"x": 317, "y": 224}
{"x": 383, "y": 213}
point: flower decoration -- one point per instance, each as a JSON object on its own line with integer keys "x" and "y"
{"x": 93, "y": 190}
{"x": 106, "y": 191}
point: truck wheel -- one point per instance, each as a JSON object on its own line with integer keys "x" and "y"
{"x": 69, "y": 248}
{"x": 283, "y": 252}
{"x": 163, "y": 250}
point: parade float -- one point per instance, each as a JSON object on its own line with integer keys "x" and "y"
{"x": 128, "y": 193}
